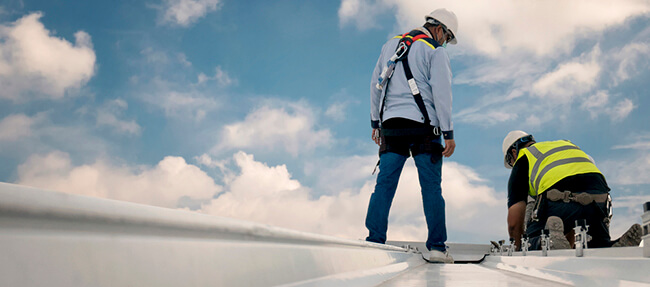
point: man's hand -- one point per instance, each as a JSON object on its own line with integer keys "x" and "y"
{"x": 376, "y": 137}
{"x": 516, "y": 215}
{"x": 450, "y": 146}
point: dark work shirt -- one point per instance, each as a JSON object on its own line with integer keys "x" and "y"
{"x": 518, "y": 183}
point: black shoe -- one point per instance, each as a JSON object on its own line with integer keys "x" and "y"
{"x": 632, "y": 237}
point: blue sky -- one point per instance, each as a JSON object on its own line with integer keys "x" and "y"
{"x": 259, "y": 110}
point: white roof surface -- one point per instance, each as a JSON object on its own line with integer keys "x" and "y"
{"x": 56, "y": 239}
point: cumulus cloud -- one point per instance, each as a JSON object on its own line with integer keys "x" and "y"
{"x": 187, "y": 12}
{"x": 269, "y": 194}
{"x": 162, "y": 185}
{"x": 292, "y": 128}
{"x": 495, "y": 27}
{"x": 255, "y": 191}
{"x": 36, "y": 64}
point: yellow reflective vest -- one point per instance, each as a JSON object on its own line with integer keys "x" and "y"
{"x": 550, "y": 162}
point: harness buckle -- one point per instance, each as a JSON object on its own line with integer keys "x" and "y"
{"x": 436, "y": 131}
{"x": 568, "y": 197}
{"x": 401, "y": 50}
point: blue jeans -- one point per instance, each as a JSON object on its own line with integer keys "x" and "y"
{"x": 390, "y": 168}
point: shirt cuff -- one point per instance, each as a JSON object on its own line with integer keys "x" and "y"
{"x": 374, "y": 124}
{"x": 448, "y": 135}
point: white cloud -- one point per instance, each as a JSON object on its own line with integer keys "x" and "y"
{"x": 600, "y": 104}
{"x": 505, "y": 26}
{"x": 336, "y": 111}
{"x": 486, "y": 118}
{"x": 558, "y": 94}
{"x": 162, "y": 185}
{"x": 362, "y": 13}
{"x": 36, "y": 64}
{"x": 637, "y": 145}
{"x": 621, "y": 110}
{"x": 570, "y": 79}
{"x": 164, "y": 82}
{"x": 269, "y": 195}
{"x": 208, "y": 161}
{"x": 23, "y": 134}
{"x": 186, "y": 12}
{"x": 15, "y": 127}
{"x": 190, "y": 103}
{"x": 334, "y": 175}
{"x": 109, "y": 115}
{"x": 630, "y": 59}
{"x": 182, "y": 58}
{"x": 633, "y": 170}
{"x": 220, "y": 76}
{"x": 292, "y": 128}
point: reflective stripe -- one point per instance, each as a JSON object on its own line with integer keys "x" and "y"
{"x": 539, "y": 156}
{"x": 536, "y": 153}
{"x": 556, "y": 164}
{"x": 413, "y": 86}
{"x": 421, "y": 40}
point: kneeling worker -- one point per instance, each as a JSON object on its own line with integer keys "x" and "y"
{"x": 566, "y": 185}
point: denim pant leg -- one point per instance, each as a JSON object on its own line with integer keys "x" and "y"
{"x": 430, "y": 175}
{"x": 390, "y": 168}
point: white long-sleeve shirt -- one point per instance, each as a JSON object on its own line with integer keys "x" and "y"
{"x": 432, "y": 73}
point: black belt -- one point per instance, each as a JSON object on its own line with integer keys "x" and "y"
{"x": 411, "y": 132}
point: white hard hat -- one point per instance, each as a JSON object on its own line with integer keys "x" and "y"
{"x": 510, "y": 139}
{"x": 448, "y": 19}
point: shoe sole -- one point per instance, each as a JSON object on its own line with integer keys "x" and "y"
{"x": 556, "y": 232}
{"x": 437, "y": 260}
{"x": 445, "y": 260}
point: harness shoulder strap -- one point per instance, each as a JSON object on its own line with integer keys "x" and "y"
{"x": 405, "y": 43}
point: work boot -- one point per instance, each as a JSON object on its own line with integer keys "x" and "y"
{"x": 436, "y": 256}
{"x": 555, "y": 228}
{"x": 631, "y": 237}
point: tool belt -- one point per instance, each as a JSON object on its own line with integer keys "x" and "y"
{"x": 581, "y": 197}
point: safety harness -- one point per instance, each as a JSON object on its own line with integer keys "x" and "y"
{"x": 401, "y": 55}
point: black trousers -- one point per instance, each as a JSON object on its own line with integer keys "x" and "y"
{"x": 594, "y": 213}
